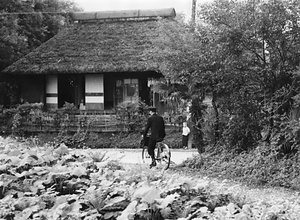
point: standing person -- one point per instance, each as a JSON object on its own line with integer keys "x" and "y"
{"x": 156, "y": 124}
{"x": 185, "y": 135}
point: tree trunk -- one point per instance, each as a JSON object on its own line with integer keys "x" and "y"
{"x": 216, "y": 125}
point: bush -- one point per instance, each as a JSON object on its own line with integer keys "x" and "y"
{"x": 260, "y": 166}
{"x": 132, "y": 115}
{"x": 242, "y": 130}
{"x": 173, "y": 139}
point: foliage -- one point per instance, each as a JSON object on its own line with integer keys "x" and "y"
{"x": 73, "y": 132}
{"x": 132, "y": 115}
{"x": 245, "y": 54}
{"x": 197, "y": 112}
{"x": 253, "y": 80}
{"x": 175, "y": 99}
{"x": 48, "y": 183}
{"x": 173, "y": 139}
{"x": 98, "y": 156}
{"x": 15, "y": 117}
{"x": 243, "y": 131}
{"x": 25, "y": 26}
{"x": 262, "y": 166}
{"x": 285, "y": 137}
{"x": 125, "y": 140}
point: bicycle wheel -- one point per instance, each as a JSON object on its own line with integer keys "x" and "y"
{"x": 163, "y": 155}
{"x": 145, "y": 156}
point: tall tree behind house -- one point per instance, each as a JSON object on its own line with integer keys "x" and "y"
{"x": 193, "y": 19}
{"x": 22, "y": 29}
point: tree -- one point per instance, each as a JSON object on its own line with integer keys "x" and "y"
{"x": 261, "y": 42}
{"x": 24, "y": 26}
{"x": 246, "y": 55}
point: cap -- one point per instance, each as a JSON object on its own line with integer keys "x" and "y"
{"x": 153, "y": 109}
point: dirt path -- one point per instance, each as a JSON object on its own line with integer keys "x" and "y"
{"x": 134, "y": 156}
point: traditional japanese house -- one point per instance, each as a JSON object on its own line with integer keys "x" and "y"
{"x": 101, "y": 60}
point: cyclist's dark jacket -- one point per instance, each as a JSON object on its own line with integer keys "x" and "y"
{"x": 157, "y": 125}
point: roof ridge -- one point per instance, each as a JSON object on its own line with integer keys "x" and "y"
{"x": 123, "y": 14}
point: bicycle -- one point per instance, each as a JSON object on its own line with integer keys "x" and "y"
{"x": 162, "y": 154}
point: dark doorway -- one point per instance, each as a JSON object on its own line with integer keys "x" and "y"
{"x": 66, "y": 90}
{"x": 109, "y": 87}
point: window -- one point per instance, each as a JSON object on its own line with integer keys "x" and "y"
{"x": 131, "y": 90}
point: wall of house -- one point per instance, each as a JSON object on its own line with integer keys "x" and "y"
{"x": 32, "y": 89}
{"x": 94, "y": 92}
{"x": 51, "y": 92}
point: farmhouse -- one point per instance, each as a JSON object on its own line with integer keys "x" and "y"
{"x": 99, "y": 61}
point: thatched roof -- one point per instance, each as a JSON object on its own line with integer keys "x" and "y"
{"x": 123, "y": 41}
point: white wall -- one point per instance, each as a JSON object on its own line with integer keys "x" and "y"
{"x": 94, "y": 91}
{"x": 51, "y": 91}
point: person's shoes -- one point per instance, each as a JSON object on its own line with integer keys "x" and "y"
{"x": 185, "y": 148}
{"x": 153, "y": 164}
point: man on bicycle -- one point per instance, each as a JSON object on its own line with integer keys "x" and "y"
{"x": 157, "y": 126}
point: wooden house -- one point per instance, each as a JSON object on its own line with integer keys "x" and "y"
{"x": 101, "y": 60}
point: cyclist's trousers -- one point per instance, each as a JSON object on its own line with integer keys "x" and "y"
{"x": 151, "y": 147}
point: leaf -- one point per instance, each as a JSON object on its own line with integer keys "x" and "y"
{"x": 152, "y": 194}
{"x": 49, "y": 151}
{"x": 141, "y": 207}
{"x": 26, "y": 202}
{"x": 117, "y": 203}
{"x": 165, "y": 212}
{"x": 233, "y": 208}
{"x": 26, "y": 213}
{"x": 61, "y": 210}
{"x": 62, "y": 150}
{"x": 168, "y": 200}
{"x": 131, "y": 209}
{"x": 79, "y": 171}
{"x": 75, "y": 207}
{"x": 141, "y": 192}
{"x": 14, "y": 153}
{"x": 3, "y": 156}
{"x": 96, "y": 197}
{"x": 14, "y": 160}
{"x": 60, "y": 200}
{"x": 109, "y": 215}
{"x": 28, "y": 160}
{"x": 48, "y": 159}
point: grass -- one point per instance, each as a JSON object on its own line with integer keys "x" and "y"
{"x": 258, "y": 168}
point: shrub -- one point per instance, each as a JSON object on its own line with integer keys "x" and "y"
{"x": 173, "y": 139}
{"x": 243, "y": 131}
{"x": 260, "y": 166}
{"x": 132, "y": 115}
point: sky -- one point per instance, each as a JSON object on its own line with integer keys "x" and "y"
{"x": 181, "y": 6}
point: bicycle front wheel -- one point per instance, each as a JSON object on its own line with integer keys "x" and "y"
{"x": 163, "y": 155}
{"x": 145, "y": 155}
